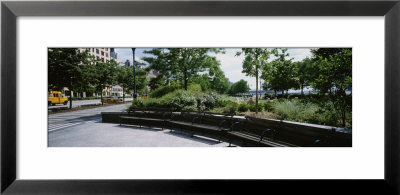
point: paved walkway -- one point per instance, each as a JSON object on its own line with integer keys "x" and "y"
{"x": 97, "y": 134}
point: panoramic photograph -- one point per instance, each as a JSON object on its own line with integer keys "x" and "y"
{"x": 199, "y": 97}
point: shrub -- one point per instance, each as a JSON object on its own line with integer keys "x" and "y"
{"x": 194, "y": 87}
{"x": 267, "y": 106}
{"x": 229, "y": 110}
{"x": 161, "y": 91}
{"x": 295, "y": 110}
{"x": 180, "y": 100}
{"x": 243, "y": 107}
{"x": 252, "y": 108}
{"x": 137, "y": 103}
{"x": 223, "y": 102}
{"x": 206, "y": 101}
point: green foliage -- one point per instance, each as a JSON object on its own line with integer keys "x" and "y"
{"x": 295, "y": 110}
{"x": 322, "y": 112}
{"x": 125, "y": 78}
{"x": 157, "y": 82}
{"x": 181, "y": 63}
{"x": 64, "y": 68}
{"x": 239, "y": 87}
{"x": 334, "y": 76}
{"x": 243, "y": 107}
{"x": 267, "y": 106}
{"x": 231, "y": 110}
{"x": 194, "y": 87}
{"x": 161, "y": 91}
{"x": 280, "y": 74}
{"x": 206, "y": 101}
{"x": 223, "y": 102}
{"x": 252, "y": 108}
{"x": 138, "y": 103}
{"x": 180, "y": 100}
{"x": 304, "y": 73}
{"x": 255, "y": 59}
{"x": 141, "y": 81}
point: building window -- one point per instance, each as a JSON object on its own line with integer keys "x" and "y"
{"x": 107, "y": 55}
{"x": 97, "y": 51}
{"x": 102, "y": 53}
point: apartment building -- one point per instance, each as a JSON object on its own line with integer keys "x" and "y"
{"x": 102, "y": 54}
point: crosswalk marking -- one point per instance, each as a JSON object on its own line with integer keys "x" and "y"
{"x": 70, "y": 119}
{"x": 53, "y": 127}
{"x": 61, "y": 126}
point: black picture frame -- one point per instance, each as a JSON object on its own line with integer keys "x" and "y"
{"x": 10, "y": 10}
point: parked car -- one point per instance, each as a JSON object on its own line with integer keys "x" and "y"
{"x": 110, "y": 99}
{"x": 56, "y": 97}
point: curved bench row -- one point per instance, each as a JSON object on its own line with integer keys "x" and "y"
{"x": 243, "y": 131}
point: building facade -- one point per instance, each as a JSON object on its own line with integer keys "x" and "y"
{"x": 103, "y": 54}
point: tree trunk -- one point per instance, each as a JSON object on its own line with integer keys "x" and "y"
{"x": 344, "y": 118}
{"x": 70, "y": 102}
{"x": 256, "y": 90}
{"x": 185, "y": 79}
{"x": 302, "y": 92}
{"x": 123, "y": 94}
{"x": 101, "y": 97}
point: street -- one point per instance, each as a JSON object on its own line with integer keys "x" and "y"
{"x": 69, "y": 119}
{"x": 79, "y": 103}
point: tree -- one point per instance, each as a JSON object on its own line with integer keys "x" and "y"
{"x": 125, "y": 79}
{"x": 280, "y": 73}
{"x": 255, "y": 58}
{"x": 204, "y": 81}
{"x": 304, "y": 73}
{"x": 64, "y": 68}
{"x": 335, "y": 73}
{"x": 181, "y": 63}
{"x": 157, "y": 82}
{"x": 141, "y": 80}
{"x": 105, "y": 75}
{"x": 239, "y": 87}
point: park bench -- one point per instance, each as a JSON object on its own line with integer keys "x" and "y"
{"x": 201, "y": 123}
{"x": 286, "y": 133}
{"x": 150, "y": 117}
{"x": 253, "y": 133}
{"x": 310, "y": 135}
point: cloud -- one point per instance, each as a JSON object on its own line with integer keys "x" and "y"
{"x": 299, "y": 54}
{"x": 126, "y": 54}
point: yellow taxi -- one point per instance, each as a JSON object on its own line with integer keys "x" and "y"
{"x": 111, "y": 99}
{"x": 56, "y": 97}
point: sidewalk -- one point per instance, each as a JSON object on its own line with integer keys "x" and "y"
{"x": 99, "y": 134}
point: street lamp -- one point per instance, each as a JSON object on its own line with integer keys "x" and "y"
{"x": 134, "y": 74}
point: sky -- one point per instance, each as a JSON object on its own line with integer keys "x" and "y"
{"x": 230, "y": 63}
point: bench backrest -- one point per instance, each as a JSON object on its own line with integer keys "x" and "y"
{"x": 299, "y": 134}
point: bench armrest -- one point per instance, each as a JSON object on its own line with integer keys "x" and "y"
{"x": 195, "y": 119}
{"x": 267, "y": 131}
{"x": 222, "y": 123}
{"x": 235, "y": 124}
